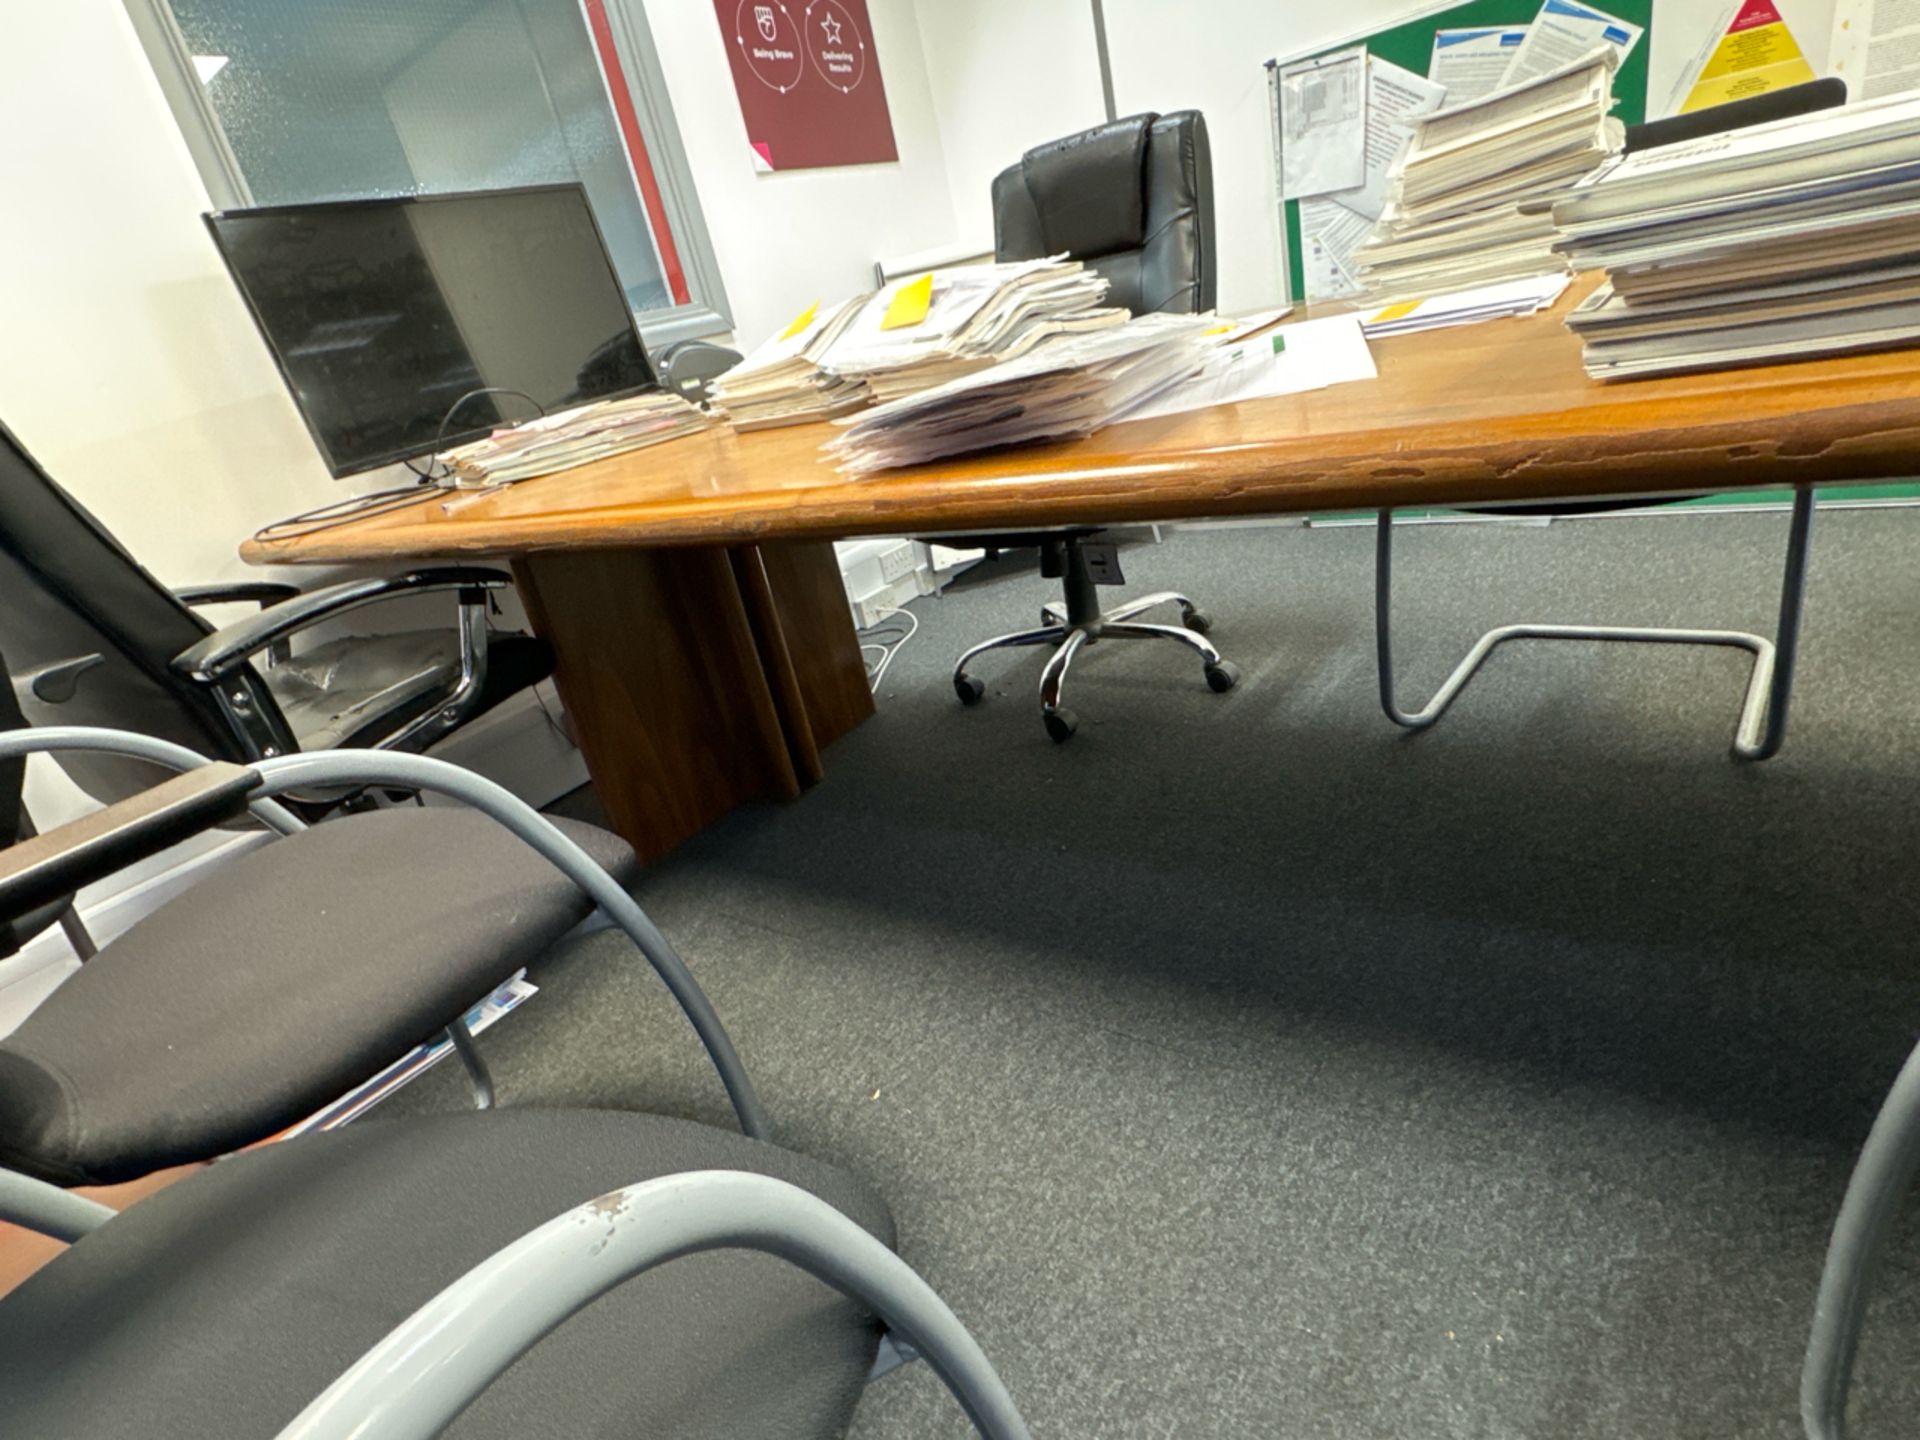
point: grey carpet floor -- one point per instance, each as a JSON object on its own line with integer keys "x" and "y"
{"x": 1247, "y": 1067}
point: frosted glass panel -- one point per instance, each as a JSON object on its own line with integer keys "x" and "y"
{"x": 340, "y": 99}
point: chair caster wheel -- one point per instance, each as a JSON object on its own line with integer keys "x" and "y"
{"x": 1060, "y": 725}
{"x": 969, "y": 688}
{"x": 1223, "y": 677}
{"x": 1198, "y": 621}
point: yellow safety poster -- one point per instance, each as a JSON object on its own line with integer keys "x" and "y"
{"x": 1751, "y": 55}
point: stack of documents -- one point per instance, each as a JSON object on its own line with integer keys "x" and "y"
{"x": 913, "y": 335}
{"x": 1467, "y": 208}
{"x": 1465, "y": 307}
{"x": 917, "y": 334}
{"x": 573, "y": 437}
{"x": 1063, "y": 390}
{"x": 1783, "y": 241}
{"x": 786, "y": 382}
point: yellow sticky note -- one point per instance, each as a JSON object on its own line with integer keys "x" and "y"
{"x": 909, "y": 305}
{"x": 1395, "y": 312}
{"x": 1217, "y": 330}
{"x": 806, "y": 319}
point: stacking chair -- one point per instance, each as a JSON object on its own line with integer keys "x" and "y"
{"x": 1763, "y": 717}
{"x": 96, "y": 640}
{"x": 504, "y": 1274}
{"x": 1133, "y": 200}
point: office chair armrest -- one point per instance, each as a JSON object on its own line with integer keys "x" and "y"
{"x": 46, "y": 867}
{"x": 237, "y": 592}
{"x": 416, "y": 1381}
{"x": 233, "y": 645}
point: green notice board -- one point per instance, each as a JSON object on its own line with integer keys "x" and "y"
{"x": 1410, "y": 45}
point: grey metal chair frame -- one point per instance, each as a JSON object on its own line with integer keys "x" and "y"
{"x": 435, "y": 1364}
{"x": 1763, "y": 717}
{"x": 1888, "y": 1163}
{"x": 438, "y": 1361}
{"x": 420, "y": 773}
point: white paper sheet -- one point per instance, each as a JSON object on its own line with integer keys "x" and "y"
{"x": 1292, "y": 360}
{"x": 1876, "y": 47}
{"x": 1396, "y": 97}
{"x": 1562, "y": 32}
{"x": 1472, "y": 63}
{"x": 1323, "y": 124}
{"x": 1464, "y": 307}
{"x": 1329, "y": 234}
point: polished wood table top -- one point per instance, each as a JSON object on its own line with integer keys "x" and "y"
{"x": 1499, "y": 411}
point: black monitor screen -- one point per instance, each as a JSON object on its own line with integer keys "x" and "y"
{"x": 387, "y": 315}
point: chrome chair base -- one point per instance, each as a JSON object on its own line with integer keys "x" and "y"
{"x": 1069, "y": 637}
{"x": 1763, "y": 718}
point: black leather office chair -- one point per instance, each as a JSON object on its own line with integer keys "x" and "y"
{"x": 523, "y": 1255}
{"x": 1762, "y": 727}
{"x": 1133, "y": 200}
{"x": 95, "y": 640}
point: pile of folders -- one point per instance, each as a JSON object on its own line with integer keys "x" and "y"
{"x": 1785, "y": 241}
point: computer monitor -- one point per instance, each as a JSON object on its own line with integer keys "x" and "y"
{"x": 401, "y": 326}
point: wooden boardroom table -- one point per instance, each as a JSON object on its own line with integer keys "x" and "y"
{"x": 704, "y": 646}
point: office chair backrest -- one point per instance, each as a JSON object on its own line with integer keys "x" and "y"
{"x": 69, "y": 592}
{"x": 1133, "y": 199}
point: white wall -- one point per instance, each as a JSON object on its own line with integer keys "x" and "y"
{"x": 130, "y": 366}
{"x": 1005, "y": 76}
{"x": 788, "y": 239}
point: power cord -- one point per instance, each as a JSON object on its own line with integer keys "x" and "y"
{"x": 886, "y": 643}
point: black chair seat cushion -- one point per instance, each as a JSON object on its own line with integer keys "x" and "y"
{"x": 222, "y": 1306}
{"x": 283, "y": 979}
{"x": 355, "y": 691}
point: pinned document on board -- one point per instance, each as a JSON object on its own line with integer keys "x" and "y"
{"x": 1876, "y": 47}
{"x": 1330, "y": 233}
{"x": 1562, "y": 33}
{"x": 1323, "y": 124}
{"x": 1396, "y": 97}
{"x": 1749, "y": 51}
{"x": 1472, "y": 63}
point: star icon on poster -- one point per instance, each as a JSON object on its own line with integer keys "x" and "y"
{"x": 832, "y": 27}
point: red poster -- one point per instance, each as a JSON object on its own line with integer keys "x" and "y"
{"x": 809, "y": 82}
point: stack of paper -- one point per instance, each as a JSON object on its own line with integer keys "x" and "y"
{"x": 786, "y": 382}
{"x": 1787, "y": 240}
{"x": 573, "y": 437}
{"x": 1465, "y": 307}
{"x": 1063, "y": 390}
{"x": 1466, "y": 210}
{"x": 916, "y": 334}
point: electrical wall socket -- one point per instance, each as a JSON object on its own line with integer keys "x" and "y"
{"x": 898, "y": 561}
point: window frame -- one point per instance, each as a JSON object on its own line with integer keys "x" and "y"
{"x": 705, "y": 315}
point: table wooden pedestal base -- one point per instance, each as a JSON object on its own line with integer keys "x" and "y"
{"x": 698, "y": 679}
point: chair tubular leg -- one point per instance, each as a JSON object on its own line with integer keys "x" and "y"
{"x": 470, "y": 1057}
{"x": 422, "y": 772}
{"x": 1885, "y": 1171}
{"x": 1763, "y": 715}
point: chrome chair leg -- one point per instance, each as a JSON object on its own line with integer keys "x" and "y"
{"x": 1060, "y": 721}
{"x": 1763, "y": 715}
{"x": 477, "y": 1072}
{"x": 1222, "y": 675}
{"x": 1191, "y": 615}
{"x": 968, "y": 687}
